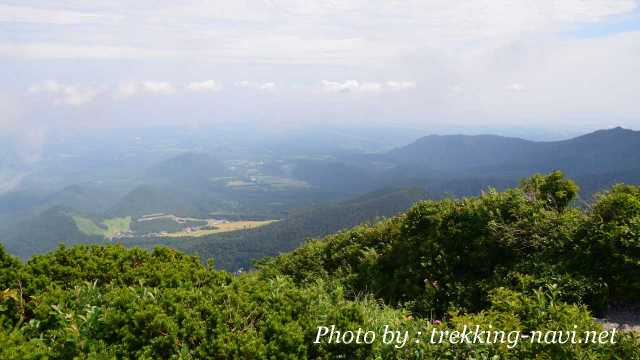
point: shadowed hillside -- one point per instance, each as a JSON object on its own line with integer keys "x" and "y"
{"x": 238, "y": 249}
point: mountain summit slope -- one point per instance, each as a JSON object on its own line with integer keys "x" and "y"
{"x": 454, "y": 163}
{"x": 598, "y": 152}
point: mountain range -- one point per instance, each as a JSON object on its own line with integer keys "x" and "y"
{"x": 310, "y": 195}
{"x": 603, "y": 151}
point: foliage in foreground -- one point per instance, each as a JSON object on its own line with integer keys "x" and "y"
{"x": 452, "y": 253}
{"x": 517, "y": 260}
{"x": 110, "y": 302}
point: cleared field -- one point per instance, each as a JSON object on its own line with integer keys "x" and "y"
{"x": 87, "y": 226}
{"x": 270, "y": 182}
{"x": 282, "y": 182}
{"x": 220, "y": 227}
{"x": 108, "y": 229}
{"x": 239, "y": 183}
{"x": 117, "y": 226}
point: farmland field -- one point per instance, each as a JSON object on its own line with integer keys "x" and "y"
{"x": 215, "y": 227}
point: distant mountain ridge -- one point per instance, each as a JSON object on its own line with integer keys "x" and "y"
{"x": 449, "y": 152}
{"x": 614, "y": 150}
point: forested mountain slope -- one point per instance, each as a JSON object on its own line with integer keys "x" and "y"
{"x": 449, "y": 252}
{"x": 598, "y": 152}
{"x": 44, "y": 232}
{"x": 238, "y": 249}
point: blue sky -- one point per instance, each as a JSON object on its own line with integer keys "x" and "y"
{"x": 626, "y": 22}
{"x": 565, "y": 64}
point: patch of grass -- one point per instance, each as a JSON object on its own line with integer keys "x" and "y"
{"x": 108, "y": 229}
{"x": 239, "y": 183}
{"x": 270, "y": 182}
{"x": 220, "y": 228}
{"x": 282, "y": 182}
{"x": 87, "y": 226}
{"x": 117, "y": 226}
{"x": 166, "y": 223}
{"x": 156, "y": 225}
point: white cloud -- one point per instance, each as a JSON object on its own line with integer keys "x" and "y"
{"x": 260, "y": 86}
{"x": 75, "y": 96}
{"x": 463, "y": 55}
{"x": 65, "y": 94}
{"x": 127, "y": 90}
{"x": 401, "y": 85}
{"x": 587, "y": 11}
{"x": 25, "y": 14}
{"x": 268, "y": 86}
{"x": 160, "y": 87}
{"x": 370, "y": 87}
{"x": 204, "y": 86}
{"x": 347, "y": 86}
{"x": 310, "y": 31}
{"x": 47, "y": 86}
{"x": 366, "y": 87}
{"x": 516, "y": 87}
{"x": 144, "y": 87}
{"x": 38, "y": 50}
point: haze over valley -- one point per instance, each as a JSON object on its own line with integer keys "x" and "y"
{"x": 241, "y": 201}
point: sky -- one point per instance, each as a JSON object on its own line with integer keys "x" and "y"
{"x": 425, "y": 64}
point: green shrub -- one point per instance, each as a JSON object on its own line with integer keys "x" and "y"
{"x": 609, "y": 241}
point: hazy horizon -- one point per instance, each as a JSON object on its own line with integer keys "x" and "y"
{"x": 566, "y": 67}
{"x": 318, "y": 77}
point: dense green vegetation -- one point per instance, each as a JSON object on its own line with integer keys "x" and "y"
{"x": 231, "y": 250}
{"x": 454, "y": 252}
{"x": 238, "y": 249}
{"x": 44, "y": 232}
{"x": 151, "y": 199}
{"x": 521, "y": 259}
